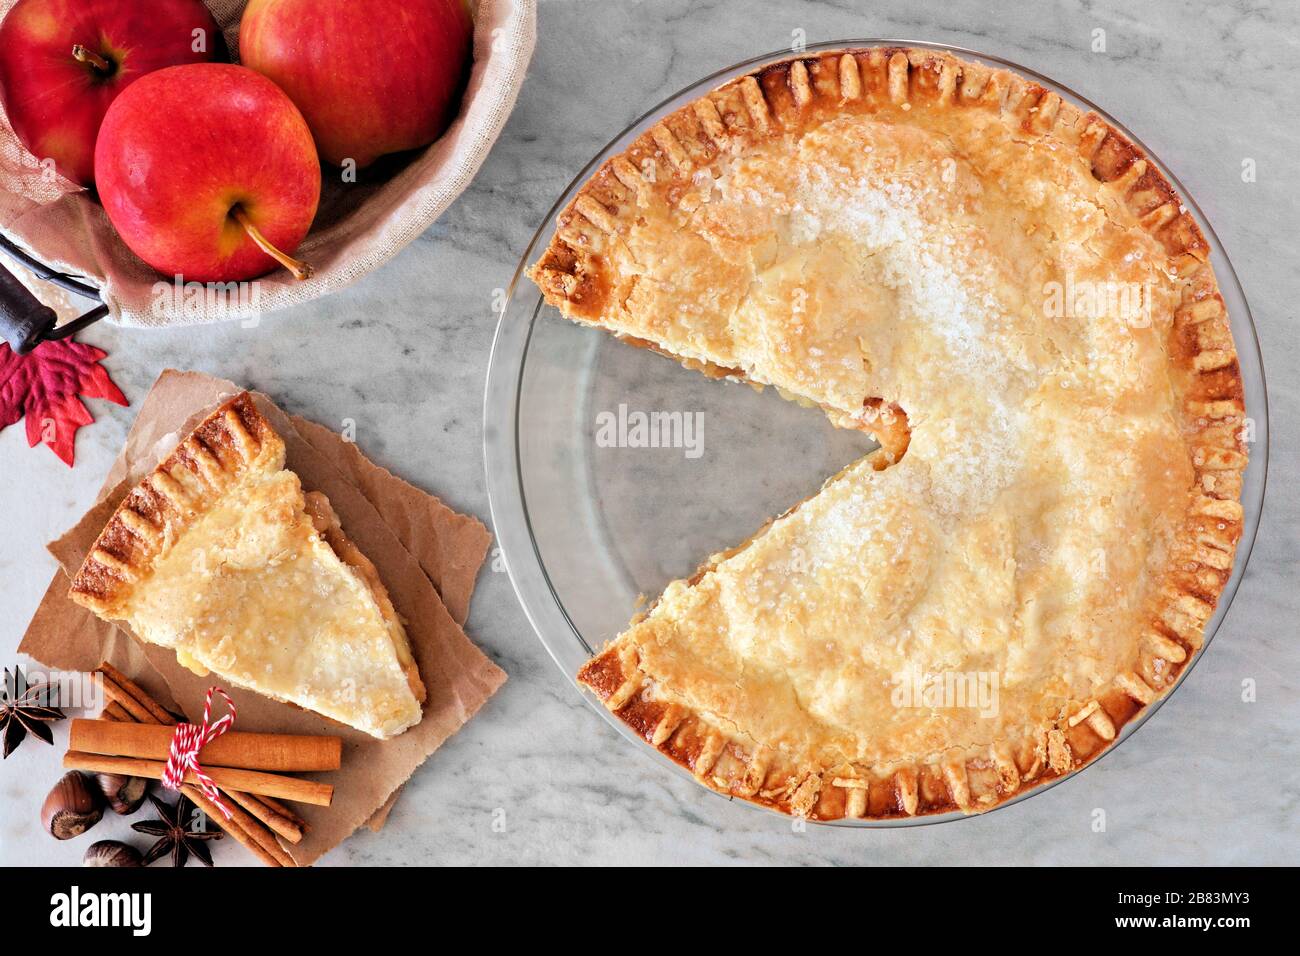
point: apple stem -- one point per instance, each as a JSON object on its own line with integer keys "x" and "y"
{"x": 300, "y": 270}
{"x": 82, "y": 55}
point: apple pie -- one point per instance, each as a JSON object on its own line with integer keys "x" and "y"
{"x": 219, "y": 555}
{"x": 1009, "y": 296}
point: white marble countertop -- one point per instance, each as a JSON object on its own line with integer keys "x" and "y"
{"x": 537, "y": 777}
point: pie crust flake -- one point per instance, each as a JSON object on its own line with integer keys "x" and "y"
{"x": 1010, "y": 297}
{"x": 219, "y": 555}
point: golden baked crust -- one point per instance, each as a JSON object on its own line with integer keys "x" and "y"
{"x": 1012, "y": 299}
{"x": 218, "y": 555}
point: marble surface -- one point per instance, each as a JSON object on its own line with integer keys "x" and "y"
{"x": 537, "y": 777}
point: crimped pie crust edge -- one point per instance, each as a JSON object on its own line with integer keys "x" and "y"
{"x": 229, "y": 442}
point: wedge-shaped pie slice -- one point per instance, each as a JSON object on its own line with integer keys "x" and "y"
{"x": 220, "y": 556}
{"x": 1011, "y": 298}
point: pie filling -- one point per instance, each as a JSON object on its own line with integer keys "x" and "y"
{"x": 327, "y": 525}
{"x": 975, "y": 607}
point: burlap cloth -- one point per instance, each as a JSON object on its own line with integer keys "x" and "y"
{"x": 359, "y": 227}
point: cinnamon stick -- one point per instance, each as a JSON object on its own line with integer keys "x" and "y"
{"x": 259, "y": 833}
{"x": 137, "y": 694}
{"x": 247, "y": 835}
{"x": 275, "y": 806}
{"x": 239, "y": 833}
{"x": 115, "y": 711}
{"x": 243, "y": 829}
{"x": 247, "y": 751}
{"x": 277, "y": 822}
{"x": 227, "y": 778}
{"x": 124, "y": 700}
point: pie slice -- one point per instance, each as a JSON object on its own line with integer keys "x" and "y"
{"x": 220, "y": 556}
{"x": 1011, "y": 298}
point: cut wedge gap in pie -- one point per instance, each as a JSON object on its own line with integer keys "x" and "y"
{"x": 219, "y": 555}
{"x": 1011, "y": 298}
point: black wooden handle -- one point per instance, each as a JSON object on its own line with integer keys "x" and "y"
{"x": 24, "y": 322}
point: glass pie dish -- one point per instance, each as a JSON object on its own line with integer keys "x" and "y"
{"x": 612, "y": 472}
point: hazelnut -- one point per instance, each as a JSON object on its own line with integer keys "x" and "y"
{"x": 112, "y": 853}
{"x": 124, "y": 794}
{"x": 72, "y": 807}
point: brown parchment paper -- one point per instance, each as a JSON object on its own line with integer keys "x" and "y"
{"x": 426, "y": 540}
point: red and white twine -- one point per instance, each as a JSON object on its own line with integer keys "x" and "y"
{"x": 188, "y": 740}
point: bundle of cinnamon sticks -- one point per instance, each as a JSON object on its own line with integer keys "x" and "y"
{"x": 133, "y": 737}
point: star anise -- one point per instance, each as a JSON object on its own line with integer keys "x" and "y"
{"x": 26, "y": 709}
{"x": 175, "y": 835}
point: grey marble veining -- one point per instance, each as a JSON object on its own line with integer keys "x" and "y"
{"x": 537, "y": 777}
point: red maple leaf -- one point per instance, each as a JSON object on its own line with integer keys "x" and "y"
{"x": 43, "y": 386}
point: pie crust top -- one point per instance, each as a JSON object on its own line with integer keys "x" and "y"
{"x": 1012, "y": 300}
{"x": 219, "y": 555}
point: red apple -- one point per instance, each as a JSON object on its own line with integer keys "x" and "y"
{"x": 372, "y": 78}
{"x": 209, "y": 172}
{"x": 62, "y": 62}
